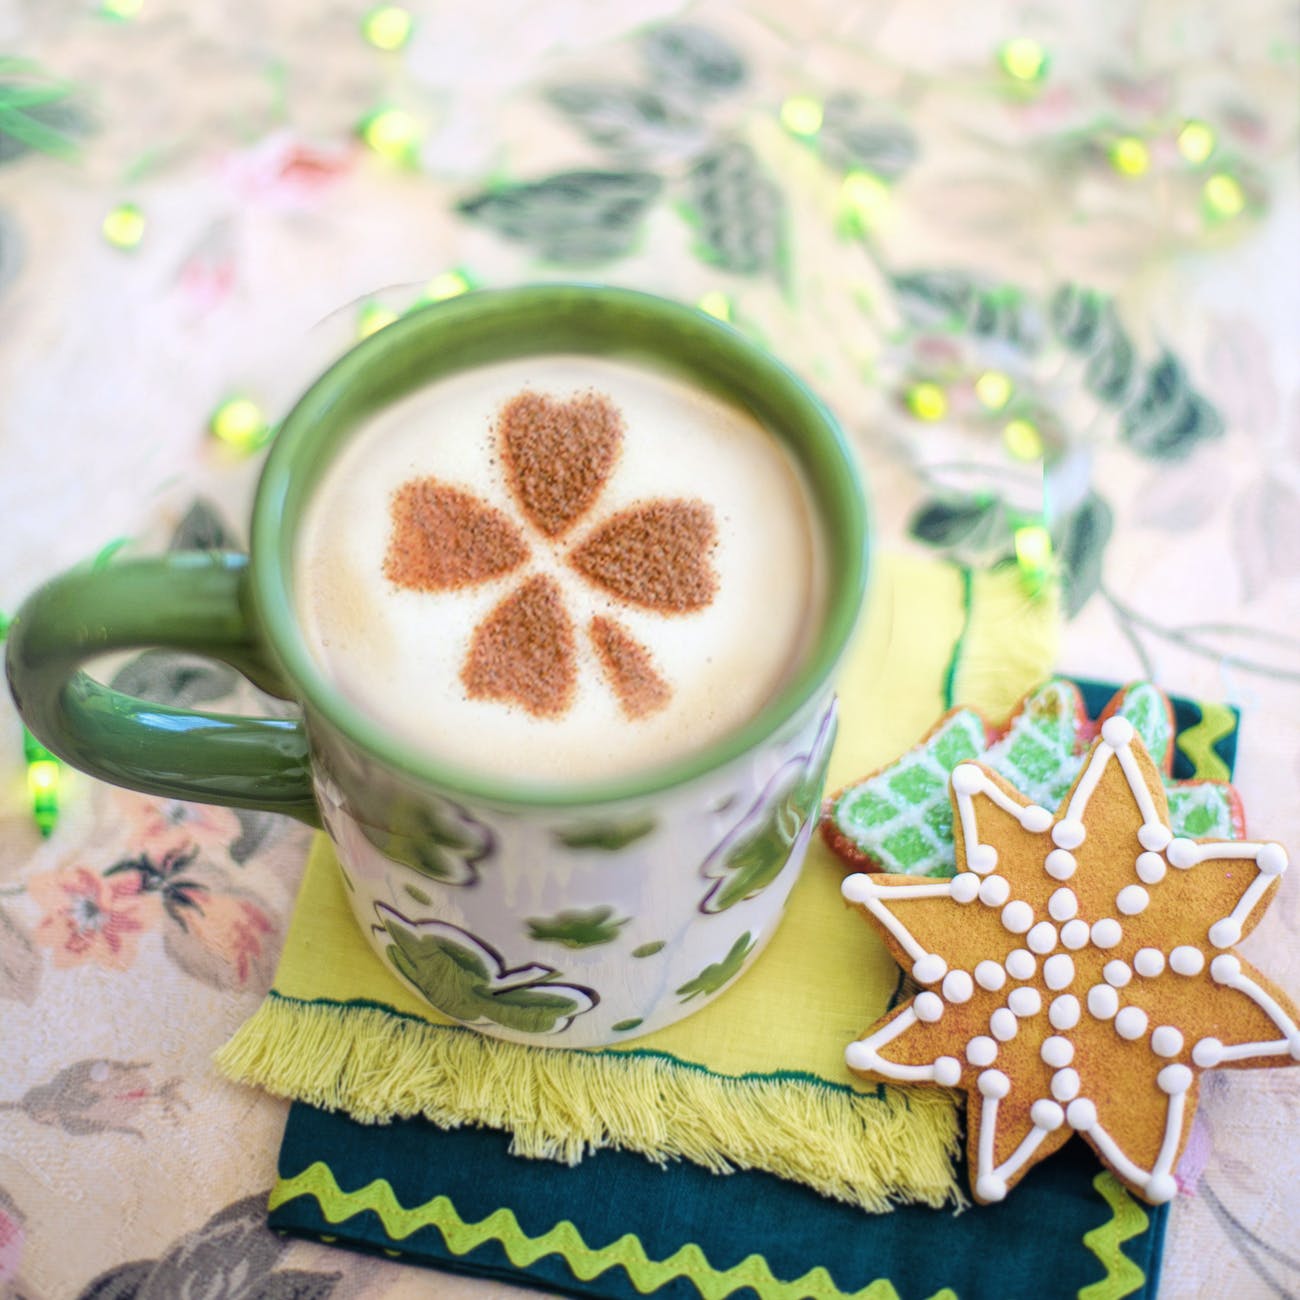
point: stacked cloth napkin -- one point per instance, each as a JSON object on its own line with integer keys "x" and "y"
{"x": 754, "y": 1085}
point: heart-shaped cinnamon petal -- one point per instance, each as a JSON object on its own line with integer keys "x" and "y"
{"x": 444, "y": 538}
{"x": 629, "y": 669}
{"x": 656, "y": 554}
{"x": 523, "y": 652}
{"x": 558, "y": 455}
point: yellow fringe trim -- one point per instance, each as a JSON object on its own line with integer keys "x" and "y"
{"x": 868, "y": 1149}
{"x": 564, "y": 1239}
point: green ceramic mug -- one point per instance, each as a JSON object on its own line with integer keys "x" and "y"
{"x": 696, "y": 859}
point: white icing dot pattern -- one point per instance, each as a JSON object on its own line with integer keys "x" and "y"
{"x": 1117, "y": 973}
{"x": 1148, "y": 962}
{"x": 1103, "y": 1001}
{"x": 1058, "y": 971}
{"x": 965, "y": 887}
{"x": 1131, "y": 1023}
{"x": 1132, "y": 900}
{"x": 1041, "y": 937}
{"x": 994, "y": 890}
{"x": 1025, "y": 1002}
{"x": 1020, "y": 964}
{"x": 1064, "y": 1011}
{"x": 1106, "y": 933}
{"x": 1065, "y": 1084}
{"x": 1166, "y": 1040}
{"x": 1017, "y": 916}
{"x": 1062, "y": 905}
{"x": 1060, "y": 864}
{"x": 1068, "y": 834}
{"x": 928, "y": 1007}
{"x": 1074, "y": 934}
{"x": 1186, "y": 960}
{"x": 1056, "y": 1051}
{"x": 1151, "y": 868}
{"x": 958, "y": 986}
{"x": 1003, "y": 1025}
{"x": 981, "y": 1050}
{"x": 990, "y": 975}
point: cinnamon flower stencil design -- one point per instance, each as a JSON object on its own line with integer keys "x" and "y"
{"x": 557, "y": 457}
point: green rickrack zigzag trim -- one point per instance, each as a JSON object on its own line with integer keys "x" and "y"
{"x": 564, "y": 1239}
{"x": 1127, "y": 1220}
{"x": 1198, "y": 742}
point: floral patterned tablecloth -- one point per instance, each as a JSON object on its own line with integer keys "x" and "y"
{"x": 1040, "y": 259}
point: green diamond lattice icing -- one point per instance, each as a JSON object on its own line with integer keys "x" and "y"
{"x": 1201, "y": 811}
{"x": 902, "y": 816}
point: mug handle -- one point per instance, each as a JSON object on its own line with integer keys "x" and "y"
{"x": 188, "y": 600}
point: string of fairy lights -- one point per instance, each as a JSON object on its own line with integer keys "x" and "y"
{"x": 864, "y": 202}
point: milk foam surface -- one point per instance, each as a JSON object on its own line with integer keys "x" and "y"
{"x": 398, "y": 653}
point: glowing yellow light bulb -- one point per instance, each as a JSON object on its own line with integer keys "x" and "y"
{"x": 993, "y": 388}
{"x": 393, "y": 134}
{"x": 239, "y": 423}
{"x": 1033, "y": 548}
{"x": 1022, "y": 440}
{"x": 450, "y": 284}
{"x": 1195, "y": 141}
{"x": 716, "y": 304}
{"x": 387, "y": 27}
{"x": 122, "y": 10}
{"x": 865, "y": 199}
{"x": 43, "y": 775}
{"x": 1223, "y": 195}
{"x": 927, "y": 401}
{"x": 1129, "y": 156}
{"x": 123, "y": 227}
{"x": 374, "y": 316}
{"x": 801, "y": 115}
{"x": 1024, "y": 59}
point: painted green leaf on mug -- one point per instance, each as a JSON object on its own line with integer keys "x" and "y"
{"x": 439, "y": 840}
{"x": 609, "y": 836}
{"x": 465, "y": 978}
{"x": 778, "y": 824}
{"x": 714, "y": 976}
{"x": 577, "y": 928}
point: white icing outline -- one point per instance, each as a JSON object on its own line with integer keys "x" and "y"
{"x": 1023, "y": 813}
{"x": 984, "y": 1166}
{"x": 1164, "y": 1161}
{"x": 1288, "y": 1044}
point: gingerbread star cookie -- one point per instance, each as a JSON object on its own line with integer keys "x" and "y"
{"x": 1077, "y": 971}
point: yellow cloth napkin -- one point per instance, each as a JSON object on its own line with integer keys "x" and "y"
{"x": 757, "y": 1078}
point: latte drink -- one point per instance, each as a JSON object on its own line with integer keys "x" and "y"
{"x": 560, "y": 569}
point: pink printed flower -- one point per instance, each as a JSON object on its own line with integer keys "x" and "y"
{"x": 226, "y": 938}
{"x": 285, "y": 172}
{"x": 157, "y": 827}
{"x": 90, "y": 919}
{"x": 557, "y": 457}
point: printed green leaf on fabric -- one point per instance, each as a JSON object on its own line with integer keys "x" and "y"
{"x": 202, "y": 528}
{"x": 691, "y": 60}
{"x": 737, "y": 211}
{"x": 953, "y": 521}
{"x": 1168, "y": 418}
{"x": 1081, "y": 547}
{"x": 184, "y": 681}
{"x": 633, "y": 121}
{"x": 572, "y": 218}
{"x": 578, "y": 927}
{"x": 38, "y": 112}
{"x": 715, "y": 975}
{"x": 853, "y": 137}
{"x": 468, "y": 980}
{"x": 952, "y": 302}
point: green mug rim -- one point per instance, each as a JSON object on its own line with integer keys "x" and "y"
{"x": 709, "y": 351}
